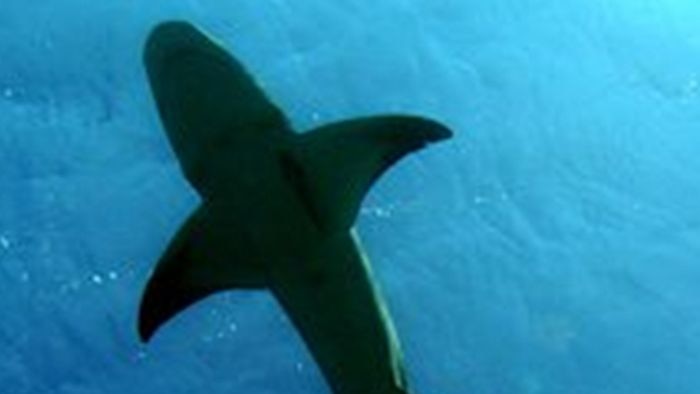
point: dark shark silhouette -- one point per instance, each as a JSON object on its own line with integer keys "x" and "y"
{"x": 277, "y": 208}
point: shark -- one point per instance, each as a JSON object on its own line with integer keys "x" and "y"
{"x": 276, "y": 208}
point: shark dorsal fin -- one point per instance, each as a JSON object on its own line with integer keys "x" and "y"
{"x": 338, "y": 163}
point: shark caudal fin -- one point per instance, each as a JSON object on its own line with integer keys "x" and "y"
{"x": 192, "y": 268}
{"x": 335, "y": 165}
{"x": 206, "y": 100}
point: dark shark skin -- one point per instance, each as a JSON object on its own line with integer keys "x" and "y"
{"x": 277, "y": 209}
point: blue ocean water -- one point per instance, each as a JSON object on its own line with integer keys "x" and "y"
{"x": 550, "y": 247}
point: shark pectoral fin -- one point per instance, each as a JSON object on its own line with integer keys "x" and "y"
{"x": 340, "y": 161}
{"x": 206, "y": 100}
{"x": 190, "y": 270}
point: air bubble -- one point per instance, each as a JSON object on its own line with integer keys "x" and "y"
{"x": 382, "y": 213}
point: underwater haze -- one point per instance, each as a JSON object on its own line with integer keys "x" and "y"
{"x": 552, "y": 246}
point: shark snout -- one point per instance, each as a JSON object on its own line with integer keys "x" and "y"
{"x": 172, "y": 39}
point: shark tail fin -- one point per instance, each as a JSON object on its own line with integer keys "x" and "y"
{"x": 335, "y": 165}
{"x": 189, "y": 271}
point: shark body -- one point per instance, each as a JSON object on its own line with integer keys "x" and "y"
{"x": 277, "y": 208}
